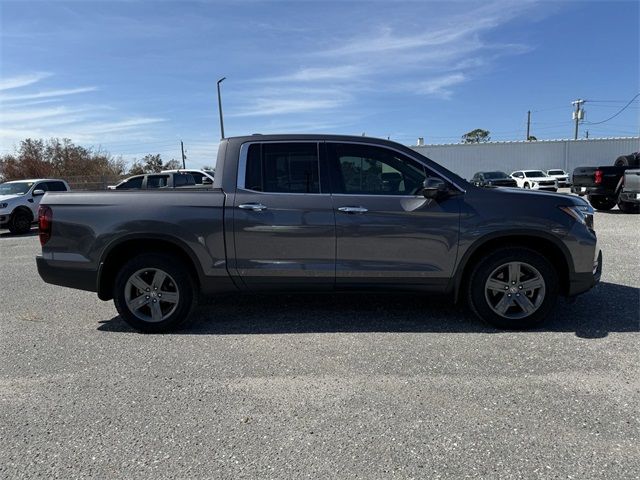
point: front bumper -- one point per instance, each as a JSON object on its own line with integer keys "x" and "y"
{"x": 64, "y": 276}
{"x": 630, "y": 197}
{"x": 583, "y": 282}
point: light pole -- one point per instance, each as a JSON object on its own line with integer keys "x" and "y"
{"x": 220, "y": 106}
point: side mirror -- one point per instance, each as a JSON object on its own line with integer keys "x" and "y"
{"x": 207, "y": 181}
{"x": 434, "y": 187}
{"x": 37, "y": 193}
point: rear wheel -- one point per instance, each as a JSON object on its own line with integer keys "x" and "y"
{"x": 513, "y": 288}
{"x": 20, "y": 223}
{"x": 602, "y": 202}
{"x": 154, "y": 293}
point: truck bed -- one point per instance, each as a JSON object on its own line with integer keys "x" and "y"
{"x": 90, "y": 224}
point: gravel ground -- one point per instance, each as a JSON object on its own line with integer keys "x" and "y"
{"x": 352, "y": 386}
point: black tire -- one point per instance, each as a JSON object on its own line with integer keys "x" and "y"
{"x": 632, "y": 160}
{"x": 20, "y": 223}
{"x": 479, "y": 300}
{"x": 602, "y": 202}
{"x": 628, "y": 207}
{"x": 178, "y": 279}
{"x": 526, "y": 185}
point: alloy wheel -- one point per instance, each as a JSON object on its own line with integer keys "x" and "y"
{"x": 515, "y": 290}
{"x": 151, "y": 295}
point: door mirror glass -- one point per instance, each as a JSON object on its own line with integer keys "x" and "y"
{"x": 434, "y": 187}
{"x": 37, "y": 193}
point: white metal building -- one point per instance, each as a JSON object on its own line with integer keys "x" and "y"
{"x": 465, "y": 159}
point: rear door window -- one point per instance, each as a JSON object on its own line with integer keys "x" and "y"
{"x": 283, "y": 168}
{"x": 157, "y": 181}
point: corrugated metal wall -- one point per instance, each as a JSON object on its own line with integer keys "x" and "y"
{"x": 467, "y": 159}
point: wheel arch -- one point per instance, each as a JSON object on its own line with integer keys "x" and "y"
{"x": 545, "y": 245}
{"x": 126, "y": 248}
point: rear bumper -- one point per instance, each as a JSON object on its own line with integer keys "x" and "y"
{"x": 583, "y": 282}
{"x": 56, "y": 274}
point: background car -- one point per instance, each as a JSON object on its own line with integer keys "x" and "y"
{"x": 19, "y": 201}
{"x": 202, "y": 177}
{"x": 156, "y": 180}
{"x": 561, "y": 177}
{"x": 535, "y": 180}
{"x": 493, "y": 179}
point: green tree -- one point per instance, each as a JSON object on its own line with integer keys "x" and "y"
{"x": 476, "y": 136}
{"x": 172, "y": 164}
{"x": 37, "y": 158}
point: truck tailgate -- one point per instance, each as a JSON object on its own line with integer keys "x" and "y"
{"x": 584, "y": 177}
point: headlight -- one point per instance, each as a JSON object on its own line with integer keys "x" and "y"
{"x": 580, "y": 213}
{"x": 4, "y": 205}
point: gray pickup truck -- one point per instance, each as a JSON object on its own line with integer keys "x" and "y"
{"x": 295, "y": 213}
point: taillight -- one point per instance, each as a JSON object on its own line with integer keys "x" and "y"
{"x": 45, "y": 221}
{"x": 597, "y": 177}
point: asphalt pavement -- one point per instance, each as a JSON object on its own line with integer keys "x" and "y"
{"x": 321, "y": 386}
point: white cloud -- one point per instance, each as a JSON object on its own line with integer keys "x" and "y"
{"x": 448, "y": 50}
{"x": 46, "y": 94}
{"x": 28, "y": 113}
{"x": 21, "y": 80}
{"x": 439, "y": 86}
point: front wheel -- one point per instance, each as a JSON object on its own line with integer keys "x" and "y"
{"x": 526, "y": 185}
{"x": 513, "y": 288}
{"x": 154, "y": 293}
{"x": 602, "y": 202}
{"x": 20, "y": 223}
{"x": 628, "y": 207}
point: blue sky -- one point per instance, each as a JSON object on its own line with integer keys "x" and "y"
{"x": 136, "y": 77}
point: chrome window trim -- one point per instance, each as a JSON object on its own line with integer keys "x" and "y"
{"x": 242, "y": 167}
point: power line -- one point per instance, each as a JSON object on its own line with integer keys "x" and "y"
{"x": 617, "y": 113}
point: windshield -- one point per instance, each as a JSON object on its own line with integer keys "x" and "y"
{"x": 556, "y": 172}
{"x": 495, "y": 175}
{"x": 535, "y": 173}
{"x": 17, "y": 188}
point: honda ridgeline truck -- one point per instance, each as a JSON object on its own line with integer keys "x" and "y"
{"x": 321, "y": 213}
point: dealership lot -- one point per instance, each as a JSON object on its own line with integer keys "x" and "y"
{"x": 349, "y": 386}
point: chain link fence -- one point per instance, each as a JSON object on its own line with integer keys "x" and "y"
{"x": 93, "y": 182}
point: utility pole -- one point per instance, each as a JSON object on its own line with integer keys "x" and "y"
{"x": 578, "y": 115}
{"x": 587, "y": 134}
{"x": 183, "y": 157}
{"x": 220, "y": 107}
{"x": 528, "y": 124}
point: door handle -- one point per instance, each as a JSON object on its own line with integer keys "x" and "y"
{"x": 256, "y": 207}
{"x": 352, "y": 209}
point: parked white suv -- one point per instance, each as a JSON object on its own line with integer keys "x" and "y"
{"x": 19, "y": 201}
{"x": 535, "y": 180}
{"x": 561, "y": 176}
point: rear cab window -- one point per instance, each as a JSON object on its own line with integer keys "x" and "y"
{"x": 291, "y": 167}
